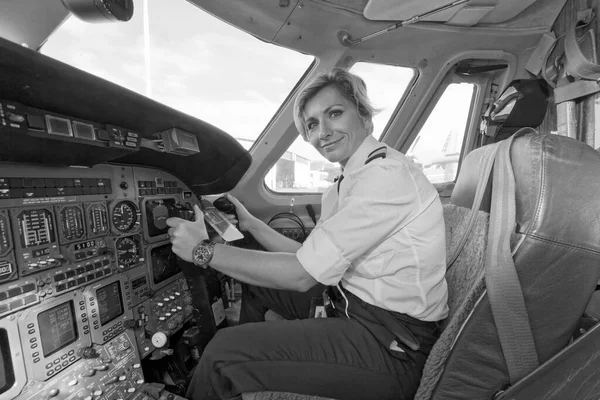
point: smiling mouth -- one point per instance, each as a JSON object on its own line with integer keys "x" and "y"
{"x": 325, "y": 146}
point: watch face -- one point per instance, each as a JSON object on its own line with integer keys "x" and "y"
{"x": 202, "y": 254}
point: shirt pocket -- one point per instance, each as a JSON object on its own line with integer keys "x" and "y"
{"x": 372, "y": 265}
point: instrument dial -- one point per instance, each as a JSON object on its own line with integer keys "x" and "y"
{"x": 125, "y": 216}
{"x": 128, "y": 251}
{"x": 98, "y": 219}
{"x": 72, "y": 225}
{"x": 5, "y": 244}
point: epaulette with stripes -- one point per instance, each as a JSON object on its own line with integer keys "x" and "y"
{"x": 380, "y": 152}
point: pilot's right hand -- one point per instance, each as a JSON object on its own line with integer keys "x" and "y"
{"x": 244, "y": 217}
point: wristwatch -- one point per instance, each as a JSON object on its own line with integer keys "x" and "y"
{"x": 203, "y": 253}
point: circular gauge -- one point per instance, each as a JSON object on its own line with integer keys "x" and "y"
{"x": 125, "y": 216}
{"x": 128, "y": 251}
{"x": 98, "y": 219}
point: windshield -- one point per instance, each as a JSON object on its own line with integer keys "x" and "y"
{"x": 179, "y": 55}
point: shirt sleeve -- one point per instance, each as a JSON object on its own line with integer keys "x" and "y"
{"x": 380, "y": 200}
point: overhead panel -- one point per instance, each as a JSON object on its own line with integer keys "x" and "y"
{"x": 472, "y": 13}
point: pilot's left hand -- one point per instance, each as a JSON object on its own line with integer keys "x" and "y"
{"x": 185, "y": 235}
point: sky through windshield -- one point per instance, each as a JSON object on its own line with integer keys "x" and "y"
{"x": 189, "y": 60}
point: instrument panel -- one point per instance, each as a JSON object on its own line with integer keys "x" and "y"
{"x": 87, "y": 278}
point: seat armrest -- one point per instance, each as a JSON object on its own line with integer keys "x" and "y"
{"x": 573, "y": 373}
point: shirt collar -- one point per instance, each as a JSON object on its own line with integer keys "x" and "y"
{"x": 361, "y": 154}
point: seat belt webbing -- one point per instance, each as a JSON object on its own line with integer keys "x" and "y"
{"x": 482, "y": 181}
{"x": 502, "y": 282}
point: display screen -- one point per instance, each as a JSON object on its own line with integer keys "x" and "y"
{"x": 85, "y": 245}
{"x": 110, "y": 302}
{"x": 36, "y": 228}
{"x": 164, "y": 263}
{"x": 57, "y": 327}
{"x": 7, "y": 374}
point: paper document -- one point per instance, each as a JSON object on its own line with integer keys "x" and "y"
{"x": 220, "y": 223}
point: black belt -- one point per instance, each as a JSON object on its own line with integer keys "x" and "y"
{"x": 387, "y": 326}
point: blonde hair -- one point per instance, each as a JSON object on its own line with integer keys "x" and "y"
{"x": 351, "y": 86}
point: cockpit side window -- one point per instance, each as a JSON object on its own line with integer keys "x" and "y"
{"x": 438, "y": 146}
{"x": 301, "y": 169}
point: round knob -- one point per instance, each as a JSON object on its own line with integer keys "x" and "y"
{"x": 16, "y": 118}
{"x": 51, "y": 393}
{"x": 129, "y": 324}
{"x": 87, "y": 352}
{"x": 123, "y": 185}
{"x": 159, "y": 339}
{"x": 87, "y": 374}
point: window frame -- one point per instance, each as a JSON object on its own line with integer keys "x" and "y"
{"x": 409, "y": 88}
{"x": 480, "y": 83}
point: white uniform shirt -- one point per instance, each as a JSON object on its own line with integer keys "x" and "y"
{"x": 382, "y": 236}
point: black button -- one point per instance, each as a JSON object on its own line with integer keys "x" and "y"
{"x": 50, "y": 182}
{"x": 81, "y": 280}
{"x": 60, "y": 288}
{"x": 16, "y": 304}
{"x": 70, "y": 273}
{"x": 90, "y": 277}
{"x": 15, "y": 182}
{"x": 30, "y": 287}
{"x": 15, "y": 292}
{"x": 70, "y": 284}
{"x": 59, "y": 277}
{"x": 3, "y": 296}
{"x": 39, "y": 182}
{"x": 91, "y": 267}
{"x": 105, "y": 262}
{"x": 36, "y": 122}
{"x": 80, "y": 270}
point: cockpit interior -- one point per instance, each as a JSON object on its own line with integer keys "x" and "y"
{"x": 116, "y": 115}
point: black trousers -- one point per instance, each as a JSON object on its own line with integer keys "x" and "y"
{"x": 328, "y": 357}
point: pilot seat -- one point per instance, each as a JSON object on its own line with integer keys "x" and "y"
{"x": 555, "y": 247}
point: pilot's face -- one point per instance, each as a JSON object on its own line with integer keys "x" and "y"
{"x": 333, "y": 125}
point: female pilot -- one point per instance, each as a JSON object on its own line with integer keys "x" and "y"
{"x": 378, "y": 247}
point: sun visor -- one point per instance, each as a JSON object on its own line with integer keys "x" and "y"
{"x": 492, "y": 12}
